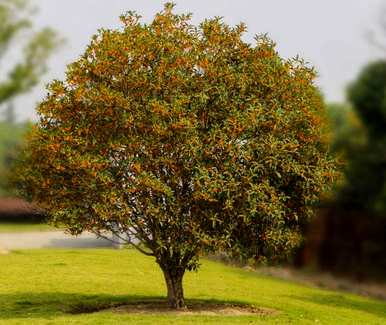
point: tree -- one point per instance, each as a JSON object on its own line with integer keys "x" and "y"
{"x": 368, "y": 96}
{"x": 35, "y": 47}
{"x": 351, "y": 230}
{"x": 14, "y": 21}
{"x": 347, "y": 130}
{"x": 181, "y": 139}
{"x": 365, "y": 174}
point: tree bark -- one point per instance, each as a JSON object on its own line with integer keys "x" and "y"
{"x": 176, "y": 298}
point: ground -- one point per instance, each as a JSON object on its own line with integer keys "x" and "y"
{"x": 56, "y": 286}
{"x": 26, "y": 235}
{"x": 50, "y": 239}
{"x": 8, "y": 227}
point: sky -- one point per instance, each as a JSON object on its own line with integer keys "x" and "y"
{"x": 330, "y": 34}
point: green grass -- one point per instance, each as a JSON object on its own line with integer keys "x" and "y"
{"x": 38, "y": 286}
{"x": 24, "y": 227}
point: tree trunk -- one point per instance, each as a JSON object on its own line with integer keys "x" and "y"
{"x": 176, "y": 298}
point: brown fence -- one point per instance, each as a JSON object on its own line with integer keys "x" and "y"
{"x": 346, "y": 242}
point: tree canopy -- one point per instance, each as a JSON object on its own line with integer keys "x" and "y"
{"x": 181, "y": 139}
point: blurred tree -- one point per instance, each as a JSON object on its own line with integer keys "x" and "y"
{"x": 32, "y": 48}
{"x": 365, "y": 173}
{"x": 181, "y": 139}
{"x": 376, "y": 35}
{"x": 368, "y": 97}
{"x": 10, "y": 114}
{"x": 349, "y": 235}
{"x": 351, "y": 231}
{"x": 346, "y": 127}
{"x": 16, "y": 28}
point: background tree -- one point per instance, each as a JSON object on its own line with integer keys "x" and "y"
{"x": 365, "y": 174}
{"x": 181, "y": 139}
{"x": 15, "y": 28}
{"x": 346, "y": 127}
{"x": 351, "y": 230}
{"x": 376, "y": 35}
{"x": 32, "y": 48}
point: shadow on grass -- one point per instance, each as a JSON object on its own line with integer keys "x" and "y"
{"x": 29, "y": 305}
{"x": 46, "y": 305}
{"x": 377, "y": 308}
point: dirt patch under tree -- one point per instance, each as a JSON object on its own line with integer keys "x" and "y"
{"x": 161, "y": 307}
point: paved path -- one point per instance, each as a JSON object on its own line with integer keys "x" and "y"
{"x": 50, "y": 239}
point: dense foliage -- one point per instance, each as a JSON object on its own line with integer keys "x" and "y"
{"x": 181, "y": 139}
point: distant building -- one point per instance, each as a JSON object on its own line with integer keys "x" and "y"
{"x": 13, "y": 209}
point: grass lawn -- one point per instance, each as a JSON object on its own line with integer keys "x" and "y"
{"x": 39, "y": 286}
{"x": 24, "y": 227}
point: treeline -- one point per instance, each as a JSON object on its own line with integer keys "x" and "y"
{"x": 349, "y": 234}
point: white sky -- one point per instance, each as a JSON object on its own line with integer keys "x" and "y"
{"x": 329, "y": 34}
